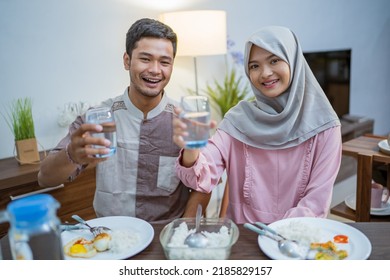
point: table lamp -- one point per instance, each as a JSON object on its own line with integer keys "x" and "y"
{"x": 199, "y": 33}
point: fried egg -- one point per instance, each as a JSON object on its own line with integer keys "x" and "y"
{"x": 102, "y": 242}
{"x": 80, "y": 248}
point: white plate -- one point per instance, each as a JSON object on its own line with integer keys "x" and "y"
{"x": 358, "y": 248}
{"x": 384, "y": 147}
{"x": 142, "y": 228}
{"x": 350, "y": 201}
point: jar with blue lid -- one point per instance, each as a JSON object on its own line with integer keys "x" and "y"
{"x": 34, "y": 232}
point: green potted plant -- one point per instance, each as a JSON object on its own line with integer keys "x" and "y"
{"x": 225, "y": 95}
{"x": 21, "y": 123}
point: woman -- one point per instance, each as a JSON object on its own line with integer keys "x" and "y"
{"x": 281, "y": 152}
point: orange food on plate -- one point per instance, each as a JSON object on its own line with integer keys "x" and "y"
{"x": 329, "y": 246}
{"x": 341, "y": 238}
{"x": 80, "y": 248}
{"x": 328, "y": 251}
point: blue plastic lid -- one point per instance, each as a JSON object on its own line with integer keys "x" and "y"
{"x": 31, "y": 209}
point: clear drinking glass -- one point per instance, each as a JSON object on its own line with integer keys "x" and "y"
{"x": 104, "y": 117}
{"x": 196, "y": 114}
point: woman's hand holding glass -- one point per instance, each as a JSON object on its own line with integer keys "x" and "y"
{"x": 194, "y": 125}
{"x": 179, "y": 133}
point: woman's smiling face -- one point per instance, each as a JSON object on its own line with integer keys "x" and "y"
{"x": 267, "y": 72}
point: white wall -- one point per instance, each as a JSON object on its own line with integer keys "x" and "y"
{"x": 69, "y": 51}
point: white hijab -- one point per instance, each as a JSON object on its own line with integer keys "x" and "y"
{"x": 296, "y": 115}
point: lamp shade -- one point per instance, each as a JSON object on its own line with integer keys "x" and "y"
{"x": 198, "y": 32}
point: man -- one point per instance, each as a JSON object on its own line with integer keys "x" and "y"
{"x": 139, "y": 180}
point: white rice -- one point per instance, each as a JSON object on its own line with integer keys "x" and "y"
{"x": 123, "y": 240}
{"x": 218, "y": 246}
{"x": 301, "y": 232}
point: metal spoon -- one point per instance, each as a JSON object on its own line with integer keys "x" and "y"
{"x": 67, "y": 227}
{"x": 197, "y": 239}
{"x": 289, "y": 248}
{"x": 95, "y": 230}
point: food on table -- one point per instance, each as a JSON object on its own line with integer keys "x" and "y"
{"x": 341, "y": 238}
{"x": 300, "y": 231}
{"x": 102, "y": 242}
{"x": 328, "y": 251}
{"x": 80, "y": 248}
{"x": 309, "y": 236}
{"x": 218, "y": 244}
{"x": 117, "y": 242}
{"x": 123, "y": 240}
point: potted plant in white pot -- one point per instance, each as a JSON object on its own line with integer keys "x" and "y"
{"x": 21, "y": 123}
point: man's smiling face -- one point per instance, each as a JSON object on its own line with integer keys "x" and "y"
{"x": 150, "y": 66}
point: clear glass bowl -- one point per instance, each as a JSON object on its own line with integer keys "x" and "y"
{"x": 222, "y": 233}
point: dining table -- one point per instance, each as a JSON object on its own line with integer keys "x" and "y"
{"x": 247, "y": 248}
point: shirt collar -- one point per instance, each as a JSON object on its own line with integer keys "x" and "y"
{"x": 138, "y": 113}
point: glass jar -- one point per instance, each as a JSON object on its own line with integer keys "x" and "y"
{"x": 34, "y": 232}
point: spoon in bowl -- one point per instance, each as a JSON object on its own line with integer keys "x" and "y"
{"x": 197, "y": 239}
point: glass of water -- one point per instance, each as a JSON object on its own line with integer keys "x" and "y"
{"x": 196, "y": 114}
{"x": 104, "y": 117}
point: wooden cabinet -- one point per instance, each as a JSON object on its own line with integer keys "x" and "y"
{"x": 355, "y": 126}
{"x": 75, "y": 197}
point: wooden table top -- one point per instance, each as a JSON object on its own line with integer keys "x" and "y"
{"x": 367, "y": 145}
{"x": 247, "y": 247}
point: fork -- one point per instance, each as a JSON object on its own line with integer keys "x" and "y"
{"x": 95, "y": 230}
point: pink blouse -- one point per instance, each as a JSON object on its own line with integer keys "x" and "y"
{"x": 269, "y": 185}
